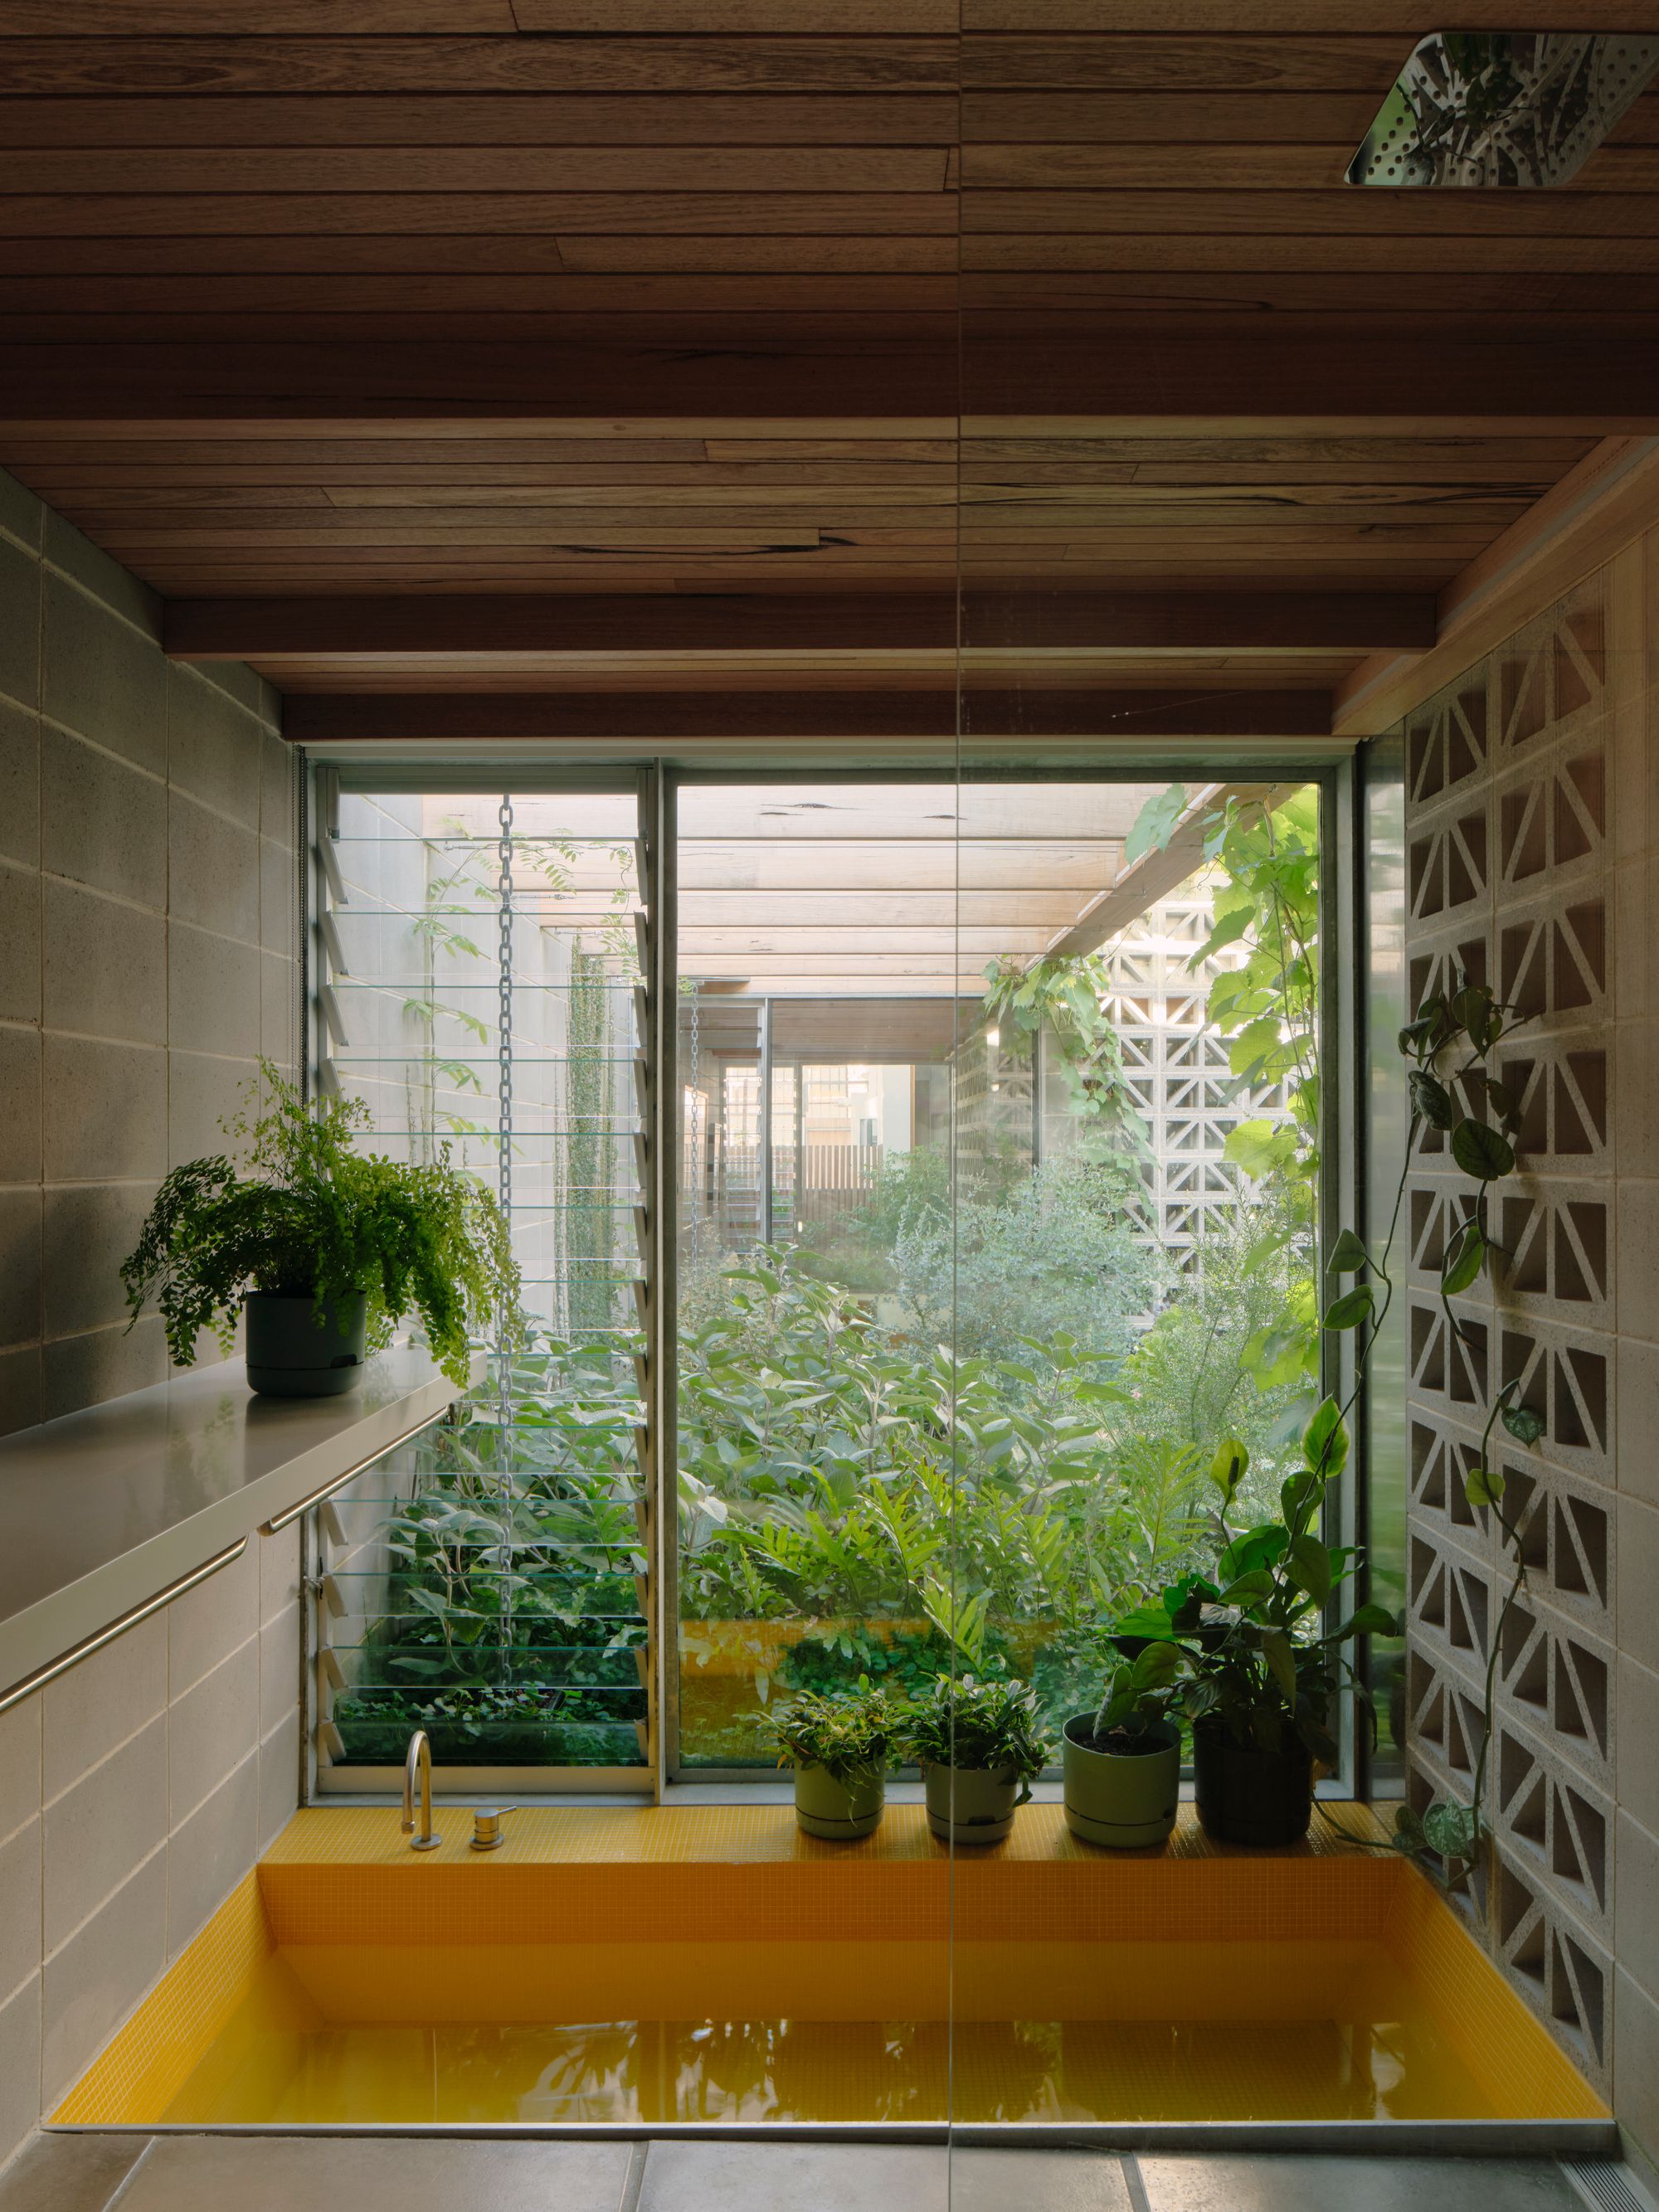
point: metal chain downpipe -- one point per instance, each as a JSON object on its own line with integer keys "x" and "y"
{"x": 504, "y": 1194}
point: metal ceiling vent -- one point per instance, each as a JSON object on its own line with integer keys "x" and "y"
{"x": 1474, "y": 108}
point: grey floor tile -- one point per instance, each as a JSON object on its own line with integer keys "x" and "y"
{"x": 1302, "y": 2184}
{"x": 1038, "y": 2181}
{"x": 370, "y": 2173}
{"x": 764, "y": 2177}
{"x": 69, "y": 2173}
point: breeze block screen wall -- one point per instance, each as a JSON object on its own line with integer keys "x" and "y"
{"x": 1529, "y": 822}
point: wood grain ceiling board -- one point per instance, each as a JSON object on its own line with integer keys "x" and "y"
{"x": 460, "y": 298}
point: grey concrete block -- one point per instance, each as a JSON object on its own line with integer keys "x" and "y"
{"x": 215, "y": 748}
{"x": 213, "y": 870}
{"x": 20, "y": 784}
{"x": 103, "y": 678}
{"x": 98, "y": 1975}
{"x": 203, "y": 2173}
{"x": 1309, "y": 2183}
{"x": 106, "y": 1110}
{"x": 213, "y": 993}
{"x": 20, "y": 1105}
{"x": 20, "y": 625}
{"x": 97, "y": 1705}
{"x": 97, "y": 1834}
{"x": 105, "y": 967}
{"x": 1637, "y": 1578}
{"x": 758, "y": 2177}
{"x": 212, "y": 1852}
{"x": 102, "y": 823}
{"x": 20, "y": 935}
{"x": 20, "y": 1389}
{"x": 106, "y": 1363}
{"x": 237, "y": 680}
{"x": 211, "y": 1728}
{"x": 280, "y": 1757}
{"x": 65, "y": 547}
{"x": 210, "y": 1622}
{"x": 90, "y": 1229}
{"x": 20, "y": 1265}
{"x": 20, "y": 512}
{"x": 204, "y": 1092}
{"x": 20, "y": 2080}
{"x": 279, "y": 1011}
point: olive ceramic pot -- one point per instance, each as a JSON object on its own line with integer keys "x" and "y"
{"x": 297, "y": 1350}
{"x": 1126, "y": 1800}
{"x": 972, "y": 1804}
{"x": 839, "y": 1812}
{"x": 1247, "y": 1795}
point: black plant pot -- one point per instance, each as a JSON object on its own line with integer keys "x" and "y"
{"x": 1246, "y": 1795}
{"x": 295, "y": 1350}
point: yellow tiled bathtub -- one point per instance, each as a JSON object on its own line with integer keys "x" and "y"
{"x": 712, "y": 1965}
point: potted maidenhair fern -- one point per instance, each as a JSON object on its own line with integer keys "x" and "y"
{"x": 324, "y": 1247}
{"x": 980, "y": 1749}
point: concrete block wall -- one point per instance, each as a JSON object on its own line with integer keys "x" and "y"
{"x": 1532, "y": 862}
{"x": 148, "y": 910}
{"x": 149, "y": 913}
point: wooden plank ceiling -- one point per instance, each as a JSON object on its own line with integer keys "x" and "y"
{"x": 420, "y": 305}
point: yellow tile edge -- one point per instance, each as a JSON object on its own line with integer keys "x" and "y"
{"x": 138, "y": 2074}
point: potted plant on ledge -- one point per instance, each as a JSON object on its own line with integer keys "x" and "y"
{"x": 979, "y": 1747}
{"x": 1121, "y": 1765}
{"x": 325, "y": 1248}
{"x": 838, "y": 1743}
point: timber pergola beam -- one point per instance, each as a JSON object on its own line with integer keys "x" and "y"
{"x": 663, "y": 718}
{"x": 416, "y": 627}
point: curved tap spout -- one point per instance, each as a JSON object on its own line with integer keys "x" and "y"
{"x": 418, "y": 1760}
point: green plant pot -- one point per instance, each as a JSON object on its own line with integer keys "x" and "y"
{"x": 971, "y": 1804}
{"x": 1126, "y": 1801}
{"x": 295, "y": 1352}
{"x": 1246, "y": 1795}
{"x": 839, "y": 1812}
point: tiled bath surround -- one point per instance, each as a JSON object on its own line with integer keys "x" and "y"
{"x": 1531, "y": 796}
{"x": 149, "y": 919}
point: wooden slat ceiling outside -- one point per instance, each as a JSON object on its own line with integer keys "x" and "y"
{"x": 656, "y": 299}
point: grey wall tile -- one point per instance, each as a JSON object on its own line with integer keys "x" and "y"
{"x": 216, "y": 748}
{"x": 20, "y": 1389}
{"x": 211, "y": 1728}
{"x": 279, "y": 1669}
{"x": 20, "y": 1105}
{"x": 63, "y": 546}
{"x": 106, "y": 1110}
{"x": 20, "y": 1265}
{"x": 91, "y": 1984}
{"x": 102, "y": 678}
{"x": 211, "y": 1853}
{"x": 278, "y": 899}
{"x": 213, "y": 870}
{"x": 19, "y": 1907}
{"x": 102, "y": 822}
{"x": 95, "y": 1835}
{"x": 204, "y": 1092}
{"x": 20, "y": 2066}
{"x": 106, "y": 1363}
{"x": 19, "y": 511}
{"x": 19, "y": 782}
{"x": 207, "y": 1624}
{"x": 213, "y": 993}
{"x": 90, "y": 1229}
{"x": 20, "y": 933}
{"x": 91, "y": 1711}
{"x": 19, "y": 1764}
{"x": 105, "y": 967}
{"x": 71, "y": 2173}
{"x": 279, "y": 1778}
{"x": 279, "y": 1572}
{"x": 20, "y": 633}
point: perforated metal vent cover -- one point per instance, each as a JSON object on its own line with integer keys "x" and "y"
{"x": 1482, "y": 108}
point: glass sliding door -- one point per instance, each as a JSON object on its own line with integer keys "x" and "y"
{"x": 480, "y": 988}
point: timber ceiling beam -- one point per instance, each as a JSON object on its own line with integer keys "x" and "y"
{"x": 663, "y": 718}
{"x": 418, "y": 627}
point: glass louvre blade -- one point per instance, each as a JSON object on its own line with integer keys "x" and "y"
{"x": 490, "y": 1587}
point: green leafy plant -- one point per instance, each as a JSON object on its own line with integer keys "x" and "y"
{"x": 314, "y": 1217}
{"x": 848, "y": 1733}
{"x": 1067, "y": 998}
{"x": 988, "y": 1727}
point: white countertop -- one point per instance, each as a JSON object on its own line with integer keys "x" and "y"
{"x": 101, "y": 1510}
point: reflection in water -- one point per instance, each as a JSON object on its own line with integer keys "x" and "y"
{"x": 831, "y": 2070}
